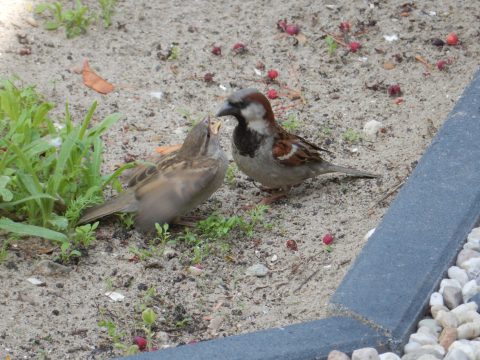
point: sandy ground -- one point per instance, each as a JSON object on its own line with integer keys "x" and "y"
{"x": 340, "y": 92}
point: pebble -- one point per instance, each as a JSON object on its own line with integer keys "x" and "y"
{"x": 447, "y": 319}
{"x": 459, "y": 274}
{"x": 371, "y": 127}
{"x": 449, "y": 282}
{"x": 470, "y": 289}
{"x": 423, "y": 339}
{"x": 465, "y": 308}
{"x": 465, "y": 255}
{"x": 456, "y": 354}
{"x": 430, "y": 323}
{"x": 337, "y": 355}
{"x": 469, "y": 330}
{"x": 452, "y": 296}
{"x": 467, "y": 316}
{"x": 474, "y": 235}
{"x": 258, "y": 270}
{"x": 427, "y": 357}
{"x": 436, "y": 299}
{"x": 389, "y": 356}
{"x": 365, "y": 354}
{"x": 416, "y": 354}
{"x": 36, "y": 282}
{"x": 436, "y": 308}
{"x": 447, "y": 337}
{"x": 464, "y": 346}
{"x": 476, "y": 299}
{"x": 472, "y": 266}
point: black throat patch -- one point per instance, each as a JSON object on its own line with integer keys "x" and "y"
{"x": 245, "y": 140}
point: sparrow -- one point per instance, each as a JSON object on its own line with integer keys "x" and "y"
{"x": 175, "y": 184}
{"x": 269, "y": 154}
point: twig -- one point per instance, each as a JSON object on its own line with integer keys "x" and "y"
{"x": 389, "y": 192}
{"x": 306, "y": 280}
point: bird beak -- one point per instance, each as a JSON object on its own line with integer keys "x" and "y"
{"x": 227, "y": 109}
{"x": 215, "y": 127}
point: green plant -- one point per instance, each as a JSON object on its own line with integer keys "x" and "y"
{"x": 174, "y": 52}
{"x": 107, "y": 10}
{"x": 76, "y": 21}
{"x": 292, "y": 123}
{"x": 85, "y": 234}
{"x": 351, "y": 136}
{"x": 230, "y": 176}
{"x": 117, "y": 337}
{"x": 163, "y": 233}
{"x": 49, "y": 171}
{"x": 332, "y": 45}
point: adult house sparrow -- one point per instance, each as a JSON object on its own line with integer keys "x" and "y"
{"x": 269, "y": 154}
{"x": 176, "y": 184}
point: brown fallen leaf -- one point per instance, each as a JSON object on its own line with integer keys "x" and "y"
{"x": 389, "y": 66}
{"x": 93, "y": 81}
{"x": 164, "y": 150}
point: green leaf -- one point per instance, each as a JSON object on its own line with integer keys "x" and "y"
{"x": 31, "y": 230}
{"x": 149, "y": 316}
{"x": 52, "y": 25}
{"x": 60, "y": 222}
{"x": 40, "y": 8}
{"x": 4, "y": 192}
{"x": 28, "y": 198}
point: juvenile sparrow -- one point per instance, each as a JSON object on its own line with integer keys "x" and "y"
{"x": 177, "y": 183}
{"x": 269, "y": 154}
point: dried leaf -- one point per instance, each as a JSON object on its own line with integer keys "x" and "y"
{"x": 423, "y": 61}
{"x": 389, "y": 66}
{"x": 93, "y": 81}
{"x": 164, "y": 150}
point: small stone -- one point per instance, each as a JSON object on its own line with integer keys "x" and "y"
{"x": 432, "y": 324}
{"x": 115, "y": 296}
{"x": 371, "y": 127}
{"x": 447, "y": 337}
{"x": 476, "y": 299}
{"x": 435, "y": 349}
{"x": 467, "y": 316}
{"x": 469, "y": 290}
{"x": 452, "y": 297}
{"x": 436, "y": 299}
{"x": 423, "y": 339}
{"x": 195, "y": 270}
{"x": 48, "y": 267}
{"x": 416, "y": 354}
{"x": 258, "y": 270}
{"x": 464, "y": 308}
{"x": 446, "y": 319}
{"x": 449, "y": 282}
{"x": 427, "y": 357}
{"x": 411, "y": 347}
{"x": 428, "y": 331}
{"x": 436, "y": 308}
{"x": 456, "y": 354}
{"x": 465, "y": 255}
{"x": 365, "y": 354}
{"x": 472, "y": 266}
{"x": 389, "y": 356}
{"x": 459, "y": 274}
{"x": 368, "y": 234}
{"x": 474, "y": 235}
{"x": 469, "y": 330}
{"x": 465, "y": 346}
{"x": 337, "y": 355}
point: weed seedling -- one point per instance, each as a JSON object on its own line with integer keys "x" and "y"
{"x": 230, "y": 176}
{"x": 107, "y": 10}
{"x": 351, "y": 136}
{"x": 332, "y": 45}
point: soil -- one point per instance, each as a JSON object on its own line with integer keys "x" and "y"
{"x": 339, "y": 92}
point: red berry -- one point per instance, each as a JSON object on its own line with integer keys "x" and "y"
{"x": 354, "y": 46}
{"x": 216, "y": 50}
{"x": 292, "y": 29}
{"x": 452, "y": 39}
{"x": 272, "y": 94}
{"x": 272, "y": 74}
{"x": 140, "y": 342}
{"x": 327, "y": 239}
{"x": 292, "y": 245}
{"x": 442, "y": 64}
{"x": 282, "y": 24}
{"x": 344, "y": 26}
{"x": 239, "y": 48}
{"x": 394, "y": 90}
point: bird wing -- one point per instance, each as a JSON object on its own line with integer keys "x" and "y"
{"x": 148, "y": 168}
{"x": 292, "y": 150}
{"x": 167, "y": 195}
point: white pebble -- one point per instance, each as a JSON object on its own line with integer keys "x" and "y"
{"x": 412, "y": 346}
{"x": 371, "y": 127}
{"x": 435, "y": 349}
{"x": 390, "y": 38}
{"x": 365, "y": 354}
{"x": 467, "y": 316}
{"x": 470, "y": 289}
{"x": 449, "y": 282}
{"x": 436, "y": 299}
{"x": 432, "y": 324}
{"x": 466, "y": 254}
{"x": 436, "y": 308}
{"x": 427, "y": 330}
{"x": 423, "y": 339}
{"x": 464, "y": 345}
{"x": 389, "y": 356}
{"x": 368, "y": 234}
{"x": 446, "y": 319}
{"x": 469, "y": 330}
{"x": 472, "y": 266}
{"x": 465, "y": 307}
{"x": 456, "y": 354}
{"x": 474, "y": 235}
{"x": 427, "y": 357}
{"x": 258, "y": 270}
{"x": 459, "y": 274}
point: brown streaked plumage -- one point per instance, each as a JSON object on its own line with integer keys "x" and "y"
{"x": 172, "y": 186}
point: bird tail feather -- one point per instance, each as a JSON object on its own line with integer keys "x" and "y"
{"x": 349, "y": 171}
{"x": 125, "y": 202}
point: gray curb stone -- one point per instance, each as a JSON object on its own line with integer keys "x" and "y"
{"x": 387, "y": 289}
